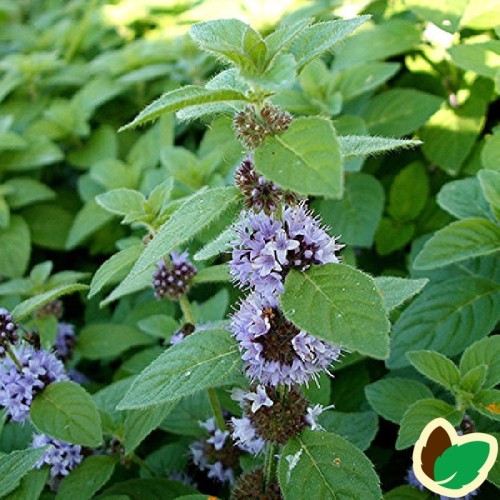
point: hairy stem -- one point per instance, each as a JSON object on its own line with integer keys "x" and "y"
{"x": 13, "y": 357}
{"x": 141, "y": 463}
{"x": 186, "y": 310}
{"x": 270, "y": 464}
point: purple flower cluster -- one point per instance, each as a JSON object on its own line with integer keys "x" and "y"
{"x": 216, "y": 455}
{"x": 172, "y": 280}
{"x": 8, "y": 330}
{"x": 61, "y": 456}
{"x": 267, "y": 248}
{"x": 275, "y": 351}
{"x": 18, "y": 388}
{"x": 65, "y": 341}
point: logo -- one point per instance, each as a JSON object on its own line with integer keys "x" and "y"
{"x": 452, "y": 465}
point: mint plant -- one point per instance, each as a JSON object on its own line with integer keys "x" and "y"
{"x": 212, "y": 280}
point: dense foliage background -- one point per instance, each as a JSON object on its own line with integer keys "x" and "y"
{"x": 79, "y": 202}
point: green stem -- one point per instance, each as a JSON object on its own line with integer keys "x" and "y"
{"x": 141, "y": 463}
{"x": 186, "y": 310}
{"x": 13, "y": 357}
{"x": 216, "y": 409}
{"x": 270, "y": 464}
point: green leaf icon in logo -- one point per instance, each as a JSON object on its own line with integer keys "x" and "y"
{"x": 460, "y": 464}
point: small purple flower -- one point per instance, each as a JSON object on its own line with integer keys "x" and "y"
{"x": 259, "y": 398}
{"x": 61, "y": 456}
{"x": 266, "y": 248}
{"x": 245, "y": 435}
{"x": 274, "y": 350}
{"x": 17, "y": 389}
{"x": 216, "y": 455}
{"x": 8, "y": 330}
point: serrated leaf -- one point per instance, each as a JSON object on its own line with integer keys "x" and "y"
{"x": 463, "y": 199}
{"x": 122, "y": 201}
{"x": 324, "y": 465}
{"x": 88, "y": 478}
{"x": 459, "y": 241}
{"x": 339, "y": 304}
{"x": 220, "y": 245}
{"x": 306, "y": 158}
{"x": 115, "y": 268}
{"x": 25, "y": 308}
{"x": 390, "y": 397}
{"x": 65, "y": 411}
{"x": 322, "y": 37}
{"x": 204, "y": 359}
{"x": 357, "y": 215}
{"x": 436, "y": 367}
{"x": 446, "y": 317}
{"x": 197, "y": 213}
{"x": 419, "y": 414}
{"x": 459, "y": 465}
{"x": 483, "y": 352}
{"x": 15, "y": 465}
{"x": 352, "y": 146}
{"x": 396, "y": 291}
{"x": 190, "y": 95}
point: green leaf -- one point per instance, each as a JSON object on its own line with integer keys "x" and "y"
{"x": 232, "y": 40}
{"x": 31, "y": 485}
{"x": 357, "y": 215}
{"x": 487, "y": 402}
{"x": 436, "y": 367}
{"x": 387, "y": 39}
{"x": 88, "y": 478}
{"x": 122, "y": 201}
{"x": 482, "y": 58}
{"x": 399, "y": 112}
{"x": 443, "y": 13}
{"x": 65, "y": 411}
{"x": 451, "y": 132}
{"x": 358, "y": 428}
{"x": 322, "y": 37}
{"x": 159, "y": 325}
{"x": 196, "y": 214}
{"x": 212, "y": 274}
{"x": 474, "y": 379}
{"x": 339, "y": 304}
{"x": 220, "y": 245}
{"x": 306, "y": 158}
{"x": 363, "y": 145}
{"x": 26, "y": 191}
{"x": 15, "y": 243}
{"x": 489, "y": 152}
{"x": 459, "y": 241}
{"x": 24, "y": 309}
{"x": 39, "y": 153}
{"x": 485, "y": 352}
{"x": 109, "y": 340}
{"x": 88, "y": 220}
{"x": 390, "y": 397}
{"x": 140, "y": 423}
{"x": 190, "y": 95}
{"x": 115, "y": 268}
{"x": 407, "y": 492}
{"x": 396, "y": 291}
{"x": 490, "y": 184}
{"x": 460, "y": 464}
{"x": 419, "y": 414}
{"x": 15, "y": 465}
{"x": 324, "y": 465}
{"x": 139, "y": 489}
{"x": 358, "y": 80}
{"x": 463, "y": 199}
{"x": 392, "y": 235}
{"x": 208, "y": 358}
{"x": 446, "y": 317}
{"x": 409, "y": 193}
